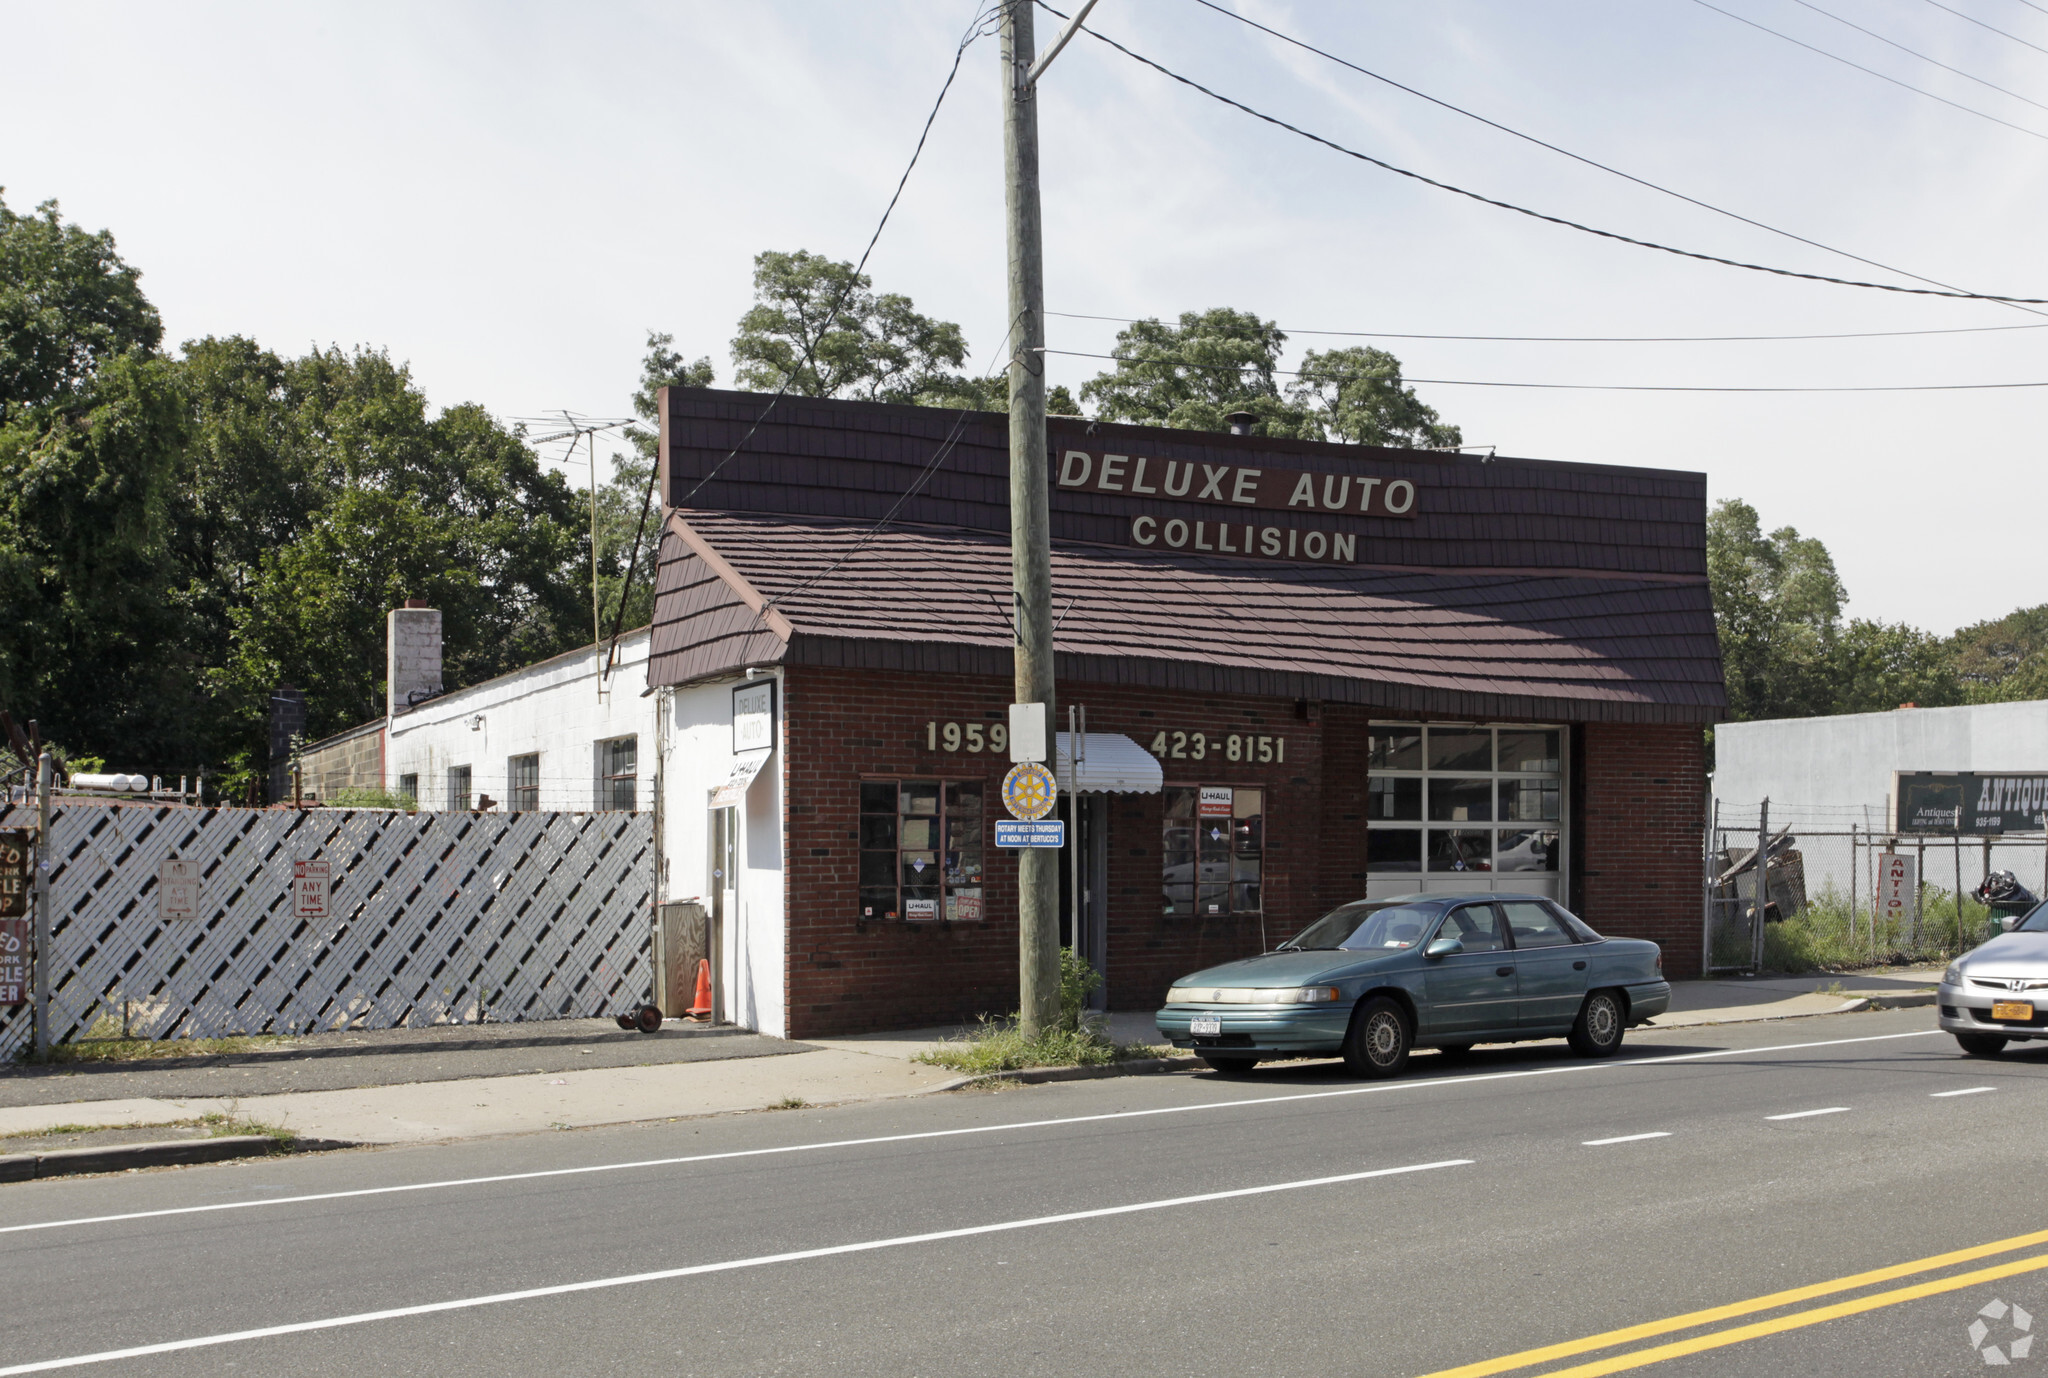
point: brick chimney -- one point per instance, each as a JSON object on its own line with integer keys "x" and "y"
{"x": 412, "y": 655}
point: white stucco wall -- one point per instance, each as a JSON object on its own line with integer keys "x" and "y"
{"x": 1825, "y": 771}
{"x": 552, "y": 709}
{"x": 697, "y": 758}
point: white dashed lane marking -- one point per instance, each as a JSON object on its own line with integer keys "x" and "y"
{"x": 1809, "y": 1114}
{"x": 1627, "y": 1139}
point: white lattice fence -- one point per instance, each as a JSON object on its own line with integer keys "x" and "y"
{"x": 435, "y": 918}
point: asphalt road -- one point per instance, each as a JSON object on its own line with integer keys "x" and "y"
{"x": 1202, "y": 1227}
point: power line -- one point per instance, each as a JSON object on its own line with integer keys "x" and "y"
{"x": 1830, "y": 14}
{"x": 1381, "y": 163}
{"x": 1567, "y": 153}
{"x": 1982, "y": 25}
{"x": 1600, "y": 339}
{"x": 1575, "y": 387}
{"x": 1871, "y": 71}
{"x": 976, "y": 29}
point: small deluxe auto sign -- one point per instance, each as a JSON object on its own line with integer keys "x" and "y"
{"x": 1237, "y": 485}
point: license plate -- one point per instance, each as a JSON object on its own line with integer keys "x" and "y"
{"x": 1209, "y": 1024}
{"x": 2012, "y": 1011}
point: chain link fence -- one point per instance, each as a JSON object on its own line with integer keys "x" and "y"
{"x": 1821, "y": 904}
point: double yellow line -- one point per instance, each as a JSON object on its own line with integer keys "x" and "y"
{"x": 1656, "y": 1354}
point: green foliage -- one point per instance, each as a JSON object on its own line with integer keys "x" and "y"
{"x": 1357, "y": 396}
{"x": 877, "y": 348}
{"x": 2004, "y": 660}
{"x": 68, "y": 306}
{"x": 1778, "y": 606}
{"x": 1787, "y": 653}
{"x": 1818, "y": 937}
{"x": 1076, "y": 1040}
{"x": 1879, "y": 665}
{"x": 1194, "y": 374}
{"x": 356, "y": 797}
{"x": 627, "y": 508}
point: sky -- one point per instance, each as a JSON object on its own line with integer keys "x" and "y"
{"x": 509, "y": 197}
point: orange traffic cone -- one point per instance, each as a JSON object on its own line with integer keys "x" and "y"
{"x": 700, "y": 1007}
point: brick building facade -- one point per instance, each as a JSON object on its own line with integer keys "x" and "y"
{"x": 1471, "y": 675}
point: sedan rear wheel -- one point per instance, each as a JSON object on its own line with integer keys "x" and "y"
{"x": 1378, "y": 1043}
{"x": 1597, "y": 1032}
{"x": 1981, "y": 1045}
{"x": 1230, "y": 1066}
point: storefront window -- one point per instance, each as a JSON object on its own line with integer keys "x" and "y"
{"x": 1213, "y": 850}
{"x": 921, "y": 850}
{"x": 1452, "y": 807}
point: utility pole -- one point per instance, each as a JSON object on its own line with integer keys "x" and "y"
{"x": 1038, "y": 879}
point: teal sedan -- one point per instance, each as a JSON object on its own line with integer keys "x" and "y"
{"x": 1371, "y": 980}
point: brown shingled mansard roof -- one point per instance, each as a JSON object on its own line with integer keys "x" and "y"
{"x": 1524, "y": 588}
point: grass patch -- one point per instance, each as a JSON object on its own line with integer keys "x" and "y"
{"x": 1819, "y": 937}
{"x": 90, "y": 1049}
{"x": 791, "y": 1103}
{"x": 217, "y": 1125}
{"x": 1077, "y": 1040}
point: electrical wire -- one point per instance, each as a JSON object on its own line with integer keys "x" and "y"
{"x": 1971, "y": 18}
{"x": 1575, "y": 387}
{"x": 1871, "y": 71}
{"x": 978, "y": 28}
{"x": 1598, "y": 339}
{"x": 1381, "y": 163}
{"x": 1830, "y": 14}
{"x": 1567, "y": 153}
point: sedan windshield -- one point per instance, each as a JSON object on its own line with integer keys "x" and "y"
{"x": 2035, "y": 922}
{"x": 1357, "y": 927}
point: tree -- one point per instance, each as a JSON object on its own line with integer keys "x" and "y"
{"x": 454, "y": 509}
{"x": 2005, "y": 659}
{"x": 1778, "y": 609}
{"x": 68, "y": 305}
{"x": 1356, "y": 395}
{"x": 877, "y": 348}
{"x": 1194, "y": 374}
{"x": 626, "y": 506}
{"x": 1878, "y": 665}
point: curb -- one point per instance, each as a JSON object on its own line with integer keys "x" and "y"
{"x": 69, "y": 1162}
{"x": 1033, "y": 1076}
{"x": 1888, "y": 1001}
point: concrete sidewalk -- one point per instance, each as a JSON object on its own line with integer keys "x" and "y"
{"x": 756, "y": 1074}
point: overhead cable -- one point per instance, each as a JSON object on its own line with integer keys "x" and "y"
{"x": 1381, "y": 163}
{"x": 1872, "y": 71}
{"x": 1982, "y": 25}
{"x": 1573, "y": 387}
{"x": 977, "y": 29}
{"x": 1830, "y": 14}
{"x": 1567, "y": 153}
{"x": 1597, "y": 339}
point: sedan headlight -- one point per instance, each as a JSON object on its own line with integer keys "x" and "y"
{"x": 1251, "y": 995}
{"x": 1954, "y": 975}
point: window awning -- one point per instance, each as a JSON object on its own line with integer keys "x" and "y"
{"x": 1111, "y": 763}
{"x": 745, "y": 767}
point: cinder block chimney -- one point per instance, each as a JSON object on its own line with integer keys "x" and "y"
{"x": 412, "y": 655}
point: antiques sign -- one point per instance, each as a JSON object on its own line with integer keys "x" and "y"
{"x": 1249, "y": 490}
{"x": 1941, "y": 801}
{"x": 14, "y": 860}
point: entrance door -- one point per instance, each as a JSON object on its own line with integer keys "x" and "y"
{"x": 1474, "y": 990}
{"x": 1549, "y": 967}
{"x": 724, "y": 886}
{"x": 1087, "y": 841}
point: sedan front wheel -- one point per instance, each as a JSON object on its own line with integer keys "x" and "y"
{"x": 1378, "y": 1043}
{"x": 1981, "y": 1045}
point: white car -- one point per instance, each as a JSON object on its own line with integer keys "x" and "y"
{"x": 1999, "y": 991}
